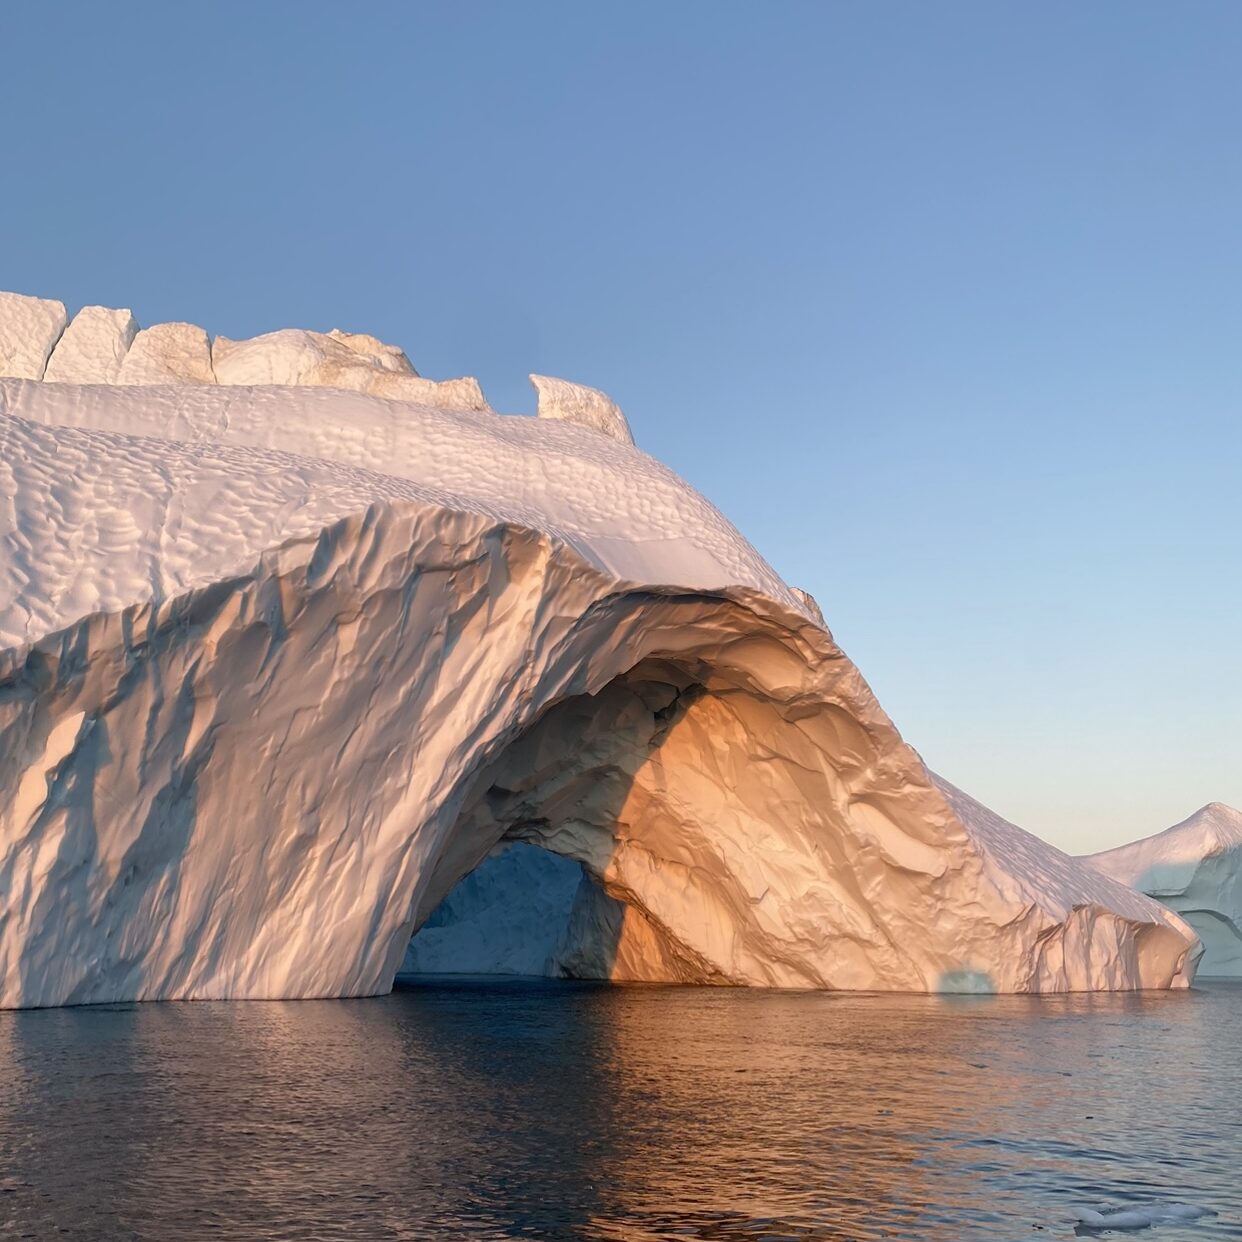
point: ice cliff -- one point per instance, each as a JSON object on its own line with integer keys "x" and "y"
{"x": 281, "y": 663}
{"x": 1195, "y": 868}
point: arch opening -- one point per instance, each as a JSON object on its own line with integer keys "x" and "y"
{"x": 722, "y": 835}
{"x": 540, "y": 900}
{"x": 510, "y": 916}
{"x": 1221, "y": 939}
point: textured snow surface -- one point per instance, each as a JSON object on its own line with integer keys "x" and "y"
{"x": 1195, "y": 868}
{"x": 184, "y": 458}
{"x": 279, "y": 666}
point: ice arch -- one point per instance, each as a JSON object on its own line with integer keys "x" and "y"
{"x": 261, "y": 788}
{"x": 783, "y": 878}
{"x": 278, "y": 666}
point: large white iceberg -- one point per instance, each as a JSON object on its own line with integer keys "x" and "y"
{"x": 1195, "y": 868}
{"x": 280, "y": 665}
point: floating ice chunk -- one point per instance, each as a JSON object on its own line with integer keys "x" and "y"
{"x": 93, "y": 347}
{"x": 29, "y": 328}
{"x": 576, "y": 403}
{"x": 168, "y": 353}
{"x": 1139, "y": 1216}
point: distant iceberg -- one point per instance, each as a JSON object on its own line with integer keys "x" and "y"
{"x": 1195, "y": 868}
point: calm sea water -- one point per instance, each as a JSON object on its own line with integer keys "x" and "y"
{"x": 485, "y": 1110}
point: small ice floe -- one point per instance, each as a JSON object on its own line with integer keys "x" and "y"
{"x": 1137, "y": 1216}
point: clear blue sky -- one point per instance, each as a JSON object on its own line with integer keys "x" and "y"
{"x": 941, "y": 303}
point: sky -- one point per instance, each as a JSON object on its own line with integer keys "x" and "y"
{"x": 941, "y": 304}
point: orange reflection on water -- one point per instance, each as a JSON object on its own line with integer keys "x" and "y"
{"x": 488, "y": 1111}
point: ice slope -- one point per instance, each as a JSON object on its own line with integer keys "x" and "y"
{"x": 1195, "y": 868}
{"x": 280, "y": 665}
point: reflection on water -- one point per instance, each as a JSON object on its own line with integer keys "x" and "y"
{"x": 539, "y": 1110}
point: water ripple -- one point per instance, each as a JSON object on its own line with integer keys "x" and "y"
{"x": 541, "y": 1111}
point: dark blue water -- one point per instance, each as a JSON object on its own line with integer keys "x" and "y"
{"x": 522, "y": 1110}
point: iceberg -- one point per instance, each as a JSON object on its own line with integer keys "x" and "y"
{"x": 1195, "y": 868}
{"x": 282, "y": 663}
